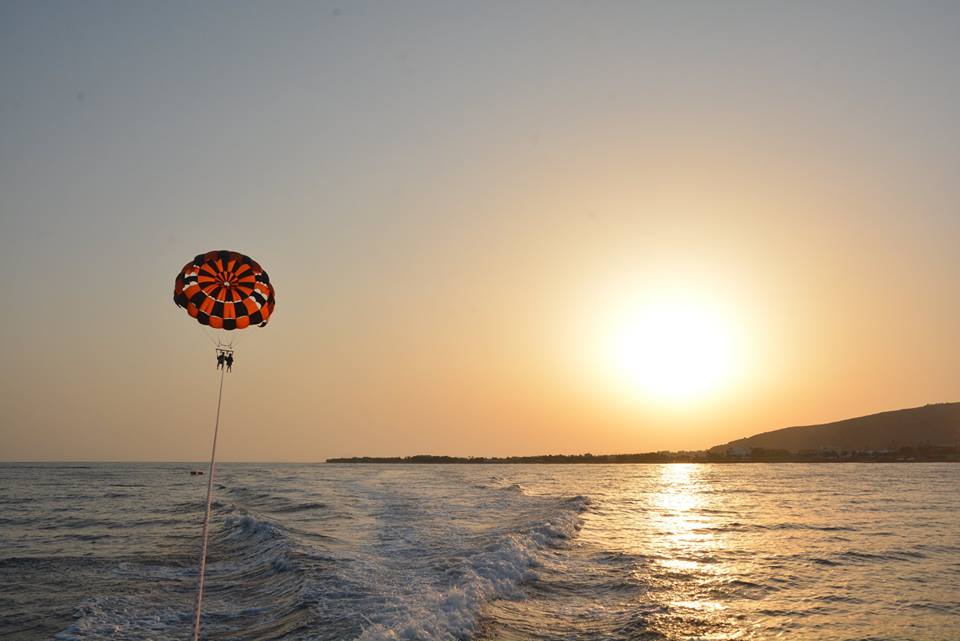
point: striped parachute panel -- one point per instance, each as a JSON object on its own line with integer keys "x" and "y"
{"x": 225, "y": 290}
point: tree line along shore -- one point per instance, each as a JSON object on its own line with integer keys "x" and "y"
{"x": 930, "y": 433}
{"x": 922, "y": 454}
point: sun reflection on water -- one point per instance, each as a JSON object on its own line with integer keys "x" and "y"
{"x": 686, "y": 547}
{"x": 678, "y": 515}
{"x": 681, "y": 530}
{"x": 721, "y": 552}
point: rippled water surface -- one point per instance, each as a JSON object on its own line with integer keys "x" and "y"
{"x": 491, "y": 552}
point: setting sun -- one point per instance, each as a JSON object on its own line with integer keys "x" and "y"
{"x": 479, "y": 321}
{"x": 674, "y": 349}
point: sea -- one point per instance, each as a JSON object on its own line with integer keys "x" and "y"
{"x": 487, "y": 552}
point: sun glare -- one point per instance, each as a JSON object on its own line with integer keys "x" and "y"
{"x": 673, "y": 349}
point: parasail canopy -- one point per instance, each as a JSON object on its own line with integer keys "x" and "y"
{"x": 225, "y": 290}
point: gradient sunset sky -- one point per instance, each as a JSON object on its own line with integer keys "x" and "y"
{"x": 459, "y": 204}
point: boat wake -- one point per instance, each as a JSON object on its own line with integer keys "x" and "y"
{"x": 401, "y": 565}
{"x": 451, "y": 607}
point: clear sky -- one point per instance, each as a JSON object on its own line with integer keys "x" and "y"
{"x": 464, "y": 208}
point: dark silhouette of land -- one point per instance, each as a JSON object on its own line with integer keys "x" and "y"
{"x": 931, "y": 425}
{"x": 928, "y": 433}
{"x": 649, "y": 457}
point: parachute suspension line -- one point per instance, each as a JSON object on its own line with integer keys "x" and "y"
{"x": 206, "y": 517}
{"x": 208, "y": 336}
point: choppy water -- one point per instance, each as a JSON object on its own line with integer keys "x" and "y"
{"x": 844, "y": 551}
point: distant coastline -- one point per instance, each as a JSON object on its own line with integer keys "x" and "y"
{"x": 926, "y": 434}
{"x": 929, "y": 454}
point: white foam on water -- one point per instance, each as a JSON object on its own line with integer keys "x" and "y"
{"x": 496, "y": 572}
{"x": 124, "y": 618}
{"x": 260, "y": 553}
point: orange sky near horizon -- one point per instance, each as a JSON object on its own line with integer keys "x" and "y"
{"x": 458, "y": 207}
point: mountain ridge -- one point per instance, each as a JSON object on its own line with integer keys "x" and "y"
{"x": 935, "y": 424}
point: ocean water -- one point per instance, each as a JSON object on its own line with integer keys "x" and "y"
{"x": 486, "y": 552}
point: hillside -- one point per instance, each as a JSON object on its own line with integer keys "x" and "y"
{"x": 937, "y": 424}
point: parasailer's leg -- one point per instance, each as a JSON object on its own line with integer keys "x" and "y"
{"x": 206, "y": 520}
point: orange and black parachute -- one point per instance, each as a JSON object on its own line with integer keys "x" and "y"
{"x": 225, "y": 290}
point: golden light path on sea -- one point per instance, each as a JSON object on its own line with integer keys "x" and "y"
{"x": 686, "y": 545}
